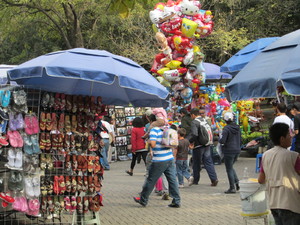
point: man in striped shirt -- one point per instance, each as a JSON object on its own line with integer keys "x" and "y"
{"x": 162, "y": 162}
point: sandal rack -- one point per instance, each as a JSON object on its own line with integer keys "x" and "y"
{"x": 61, "y": 172}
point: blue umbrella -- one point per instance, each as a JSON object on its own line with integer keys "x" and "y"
{"x": 245, "y": 55}
{"x": 118, "y": 80}
{"x": 278, "y": 64}
{"x": 213, "y": 72}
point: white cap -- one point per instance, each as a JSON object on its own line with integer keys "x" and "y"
{"x": 148, "y": 111}
{"x": 228, "y": 116}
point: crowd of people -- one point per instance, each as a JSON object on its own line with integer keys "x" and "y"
{"x": 168, "y": 166}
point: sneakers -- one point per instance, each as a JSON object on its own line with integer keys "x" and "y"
{"x": 191, "y": 180}
{"x": 237, "y": 186}
{"x": 128, "y": 172}
{"x": 165, "y": 196}
{"x": 214, "y": 183}
{"x": 138, "y": 200}
{"x": 230, "y": 191}
{"x": 174, "y": 205}
{"x": 181, "y": 186}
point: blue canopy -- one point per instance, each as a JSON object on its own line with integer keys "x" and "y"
{"x": 278, "y": 64}
{"x": 213, "y": 72}
{"x": 245, "y": 55}
{"x": 118, "y": 80}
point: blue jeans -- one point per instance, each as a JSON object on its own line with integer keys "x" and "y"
{"x": 155, "y": 171}
{"x": 203, "y": 154}
{"x": 285, "y": 217}
{"x": 182, "y": 170}
{"x": 104, "y": 152}
{"x": 229, "y": 160}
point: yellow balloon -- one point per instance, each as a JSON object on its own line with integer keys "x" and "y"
{"x": 196, "y": 48}
{"x": 162, "y": 70}
{"x": 163, "y": 81}
{"x": 245, "y": 123}
{"x": 154, "y": 27}
{"x": 173, "y": 64}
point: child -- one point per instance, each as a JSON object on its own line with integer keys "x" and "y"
{"x": 181, "y": 157}
{"x": 161, "y": 119}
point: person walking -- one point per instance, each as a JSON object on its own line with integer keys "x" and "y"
{"x": 181, "y": 156}
{"x": 162, "y": 162}
{"x": 231, "y": 147}
{"x": 186, "y": 120}
{"x": 200, "y": 152}
{"x": 137, "y": 143}
{"x": 280, "y": 171}
{"x": 104, "y": 130}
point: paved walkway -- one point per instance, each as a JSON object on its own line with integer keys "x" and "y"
{"x": 201, "y": 204}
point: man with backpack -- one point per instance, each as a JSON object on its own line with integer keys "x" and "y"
{"x": 201, "y": 138}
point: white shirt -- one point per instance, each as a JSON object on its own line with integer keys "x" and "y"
{"x": 285, "y": 119}
{"x": 104, "y": 134}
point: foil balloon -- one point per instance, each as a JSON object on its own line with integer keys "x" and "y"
{"x": 187, "y": 94}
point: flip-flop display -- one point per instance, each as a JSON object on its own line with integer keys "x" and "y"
{"x": 51, "y": 153}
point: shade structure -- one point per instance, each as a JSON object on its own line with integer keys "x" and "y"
{"x": 3, "y": 72}
{"x": 239, "y": 60}
{"x": 213, "y": 72}
{"x": 118, "y": 80}
{"x": 278, "y": 64}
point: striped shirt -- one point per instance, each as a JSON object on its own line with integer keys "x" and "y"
{"x": 160, "y": 152}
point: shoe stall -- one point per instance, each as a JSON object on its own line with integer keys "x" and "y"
{"x": 59, "y": 179}
{"x": 50, "y": 170}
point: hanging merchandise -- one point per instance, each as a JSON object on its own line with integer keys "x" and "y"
{"x": 51, "y": 153}
{"x": 124, "y": 117}
{"x": 177, "y": 25}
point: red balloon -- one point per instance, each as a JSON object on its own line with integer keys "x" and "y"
{"x": 196, "y": 81}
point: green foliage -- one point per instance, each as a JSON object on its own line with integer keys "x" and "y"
{"x": 30, "y": 28}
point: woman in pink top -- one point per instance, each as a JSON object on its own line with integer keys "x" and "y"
{"x": 137, "y": 143}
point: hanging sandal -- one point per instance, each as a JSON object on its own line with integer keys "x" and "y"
{"x": 43, "y": 162}
{"x": 68, "y": 103}
{"x": 42, "y": 141}
{"x": 43, "y": 186}
{"x": 53, "y": 122}
{"x": 74, "y": 104}
{"x": 61, "y": 122}
{"x": 68, "y": 166}
{"x": 73, "y": 185}
{"x": 47, "y": 141}
{"x": 57, "y": 101}
{"x": 87, "y": 104}
{"x": 49, "y": 161}
{"x": 74, "y": 123}
{"x": 73, "y": 204}
{"x": 62, "y": 105}
{"x": 79, "y": 205}
{"x": 68, "y": 127}
{"x": 85, "y": 204}
{"x": 68, "y": 185}
{"x": 43, "y": 121}
{"x": 62, "y": 185}
{"x": 97, "y": 183}
{"x": 45, "y": 100}
{"x": 56, "y": 185}
{"x": 67, "y": 204}
{"x": 96, "y": 200}
{"x": 85, "y": 185}
{"x": 79, "y": 184}
{"x": 91, "y": 184}
{"x": 74, "y": 163}
{"x": 48, "y": 122}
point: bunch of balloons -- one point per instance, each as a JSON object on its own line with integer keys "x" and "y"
{"x": 179, "y": 65}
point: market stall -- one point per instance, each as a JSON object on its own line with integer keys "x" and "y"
{"x": 56, "y": 151}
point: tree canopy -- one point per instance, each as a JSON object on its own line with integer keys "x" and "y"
{"x": 32, "y": 28}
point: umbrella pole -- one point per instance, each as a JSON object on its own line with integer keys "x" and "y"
{"x": 91, "y": 91}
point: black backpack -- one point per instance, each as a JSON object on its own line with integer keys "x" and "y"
{"x": 205, "y": 135}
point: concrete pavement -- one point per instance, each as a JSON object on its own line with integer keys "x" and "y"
{"x": 201, "y": 204}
